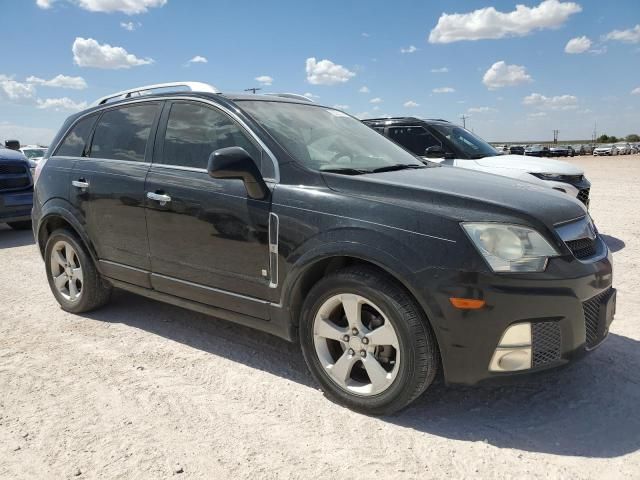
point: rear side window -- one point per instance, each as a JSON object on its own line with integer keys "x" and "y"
{"x": 195, "y": 130}
{"x": 75, "y": 143}
{"x": 414, "y": 139}
{"x": 123, "y": 133}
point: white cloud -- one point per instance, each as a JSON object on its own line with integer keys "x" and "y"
{"x": 60, "y": 81}
{"x": 197, "y": 59}
{"x": 578, "y": 45}
{"x": 489, "y": 23}
{"x": 410, "y": 104}
{"x": 130, "y": 26}
{"x": 130, "y": 7}
{"x": 16, "y": 91}
{"x": 63, "y": 103}
{"x": 502, "y": 75}
{"x": 631, "y": 35}
{"x": 341, "y": 107}
{"x": 27, "y": 134}
{"x": 325, "y": 72}
{"x": 560, "y": 102}
{"x": 409, "y": 49}
{"x": 537, "y": 114}
{"x": 362, "y": 115}
{"x": 310, "y": 95}
{"x": 443, "y": 90}
{"x": 635, "y": 91}
{"x": 375, "y": 100}
{"x": 89, "y": 53}
{"x": 481, "y": 110}
{"x": 365, "y": 34}
{"x": 364, "y": 89}
{"x": 439, "y": 70}
{"x": 265, "y": 80}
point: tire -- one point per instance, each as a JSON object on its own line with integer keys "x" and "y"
{"x": 412, "y": 358}
{"x": 80, "y": 275}
{"x": 22, "y": 225}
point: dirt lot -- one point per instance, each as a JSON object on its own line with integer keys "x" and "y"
{"x": 145, "y": 390}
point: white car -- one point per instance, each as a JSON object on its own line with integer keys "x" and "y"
{"x": 449, "y": 144}
{"x": 33, "y": 152}
{"x": 606, "y": 149}
{"x": 623, "y": 148}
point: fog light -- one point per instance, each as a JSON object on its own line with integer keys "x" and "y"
{"x": 514, "y": 350}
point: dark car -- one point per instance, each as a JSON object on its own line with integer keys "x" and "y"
{"x": 298, "y": 220}
{"x": 16, "y": 189}
{"x": 516, "y": 149}
{"x": 560, "y": 151}
{"x": 537, "y": 151}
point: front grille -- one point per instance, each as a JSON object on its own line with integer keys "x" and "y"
{"x": 547, "y": 341}
{"x": 14, "y": 176}
{"x": 583, "y": 196}
{"x": 582, "y": 247}
{"x": 591, "y": 310}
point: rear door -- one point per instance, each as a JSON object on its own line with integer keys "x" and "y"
{"x": 108, "y": 189}
{"x": 208, "y": 240}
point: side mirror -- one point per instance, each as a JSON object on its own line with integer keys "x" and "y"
{"x": 434, "y": 151}
{"x": 235, "y": 162}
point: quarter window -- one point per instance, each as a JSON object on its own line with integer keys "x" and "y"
{"x": 123, "y": 133}
{"x": 194, "y": 131}
{"x": 414, "y": 139}
{"x": 76, "y": 140}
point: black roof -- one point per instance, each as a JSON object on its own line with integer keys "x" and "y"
{"x": 402, "y": 120}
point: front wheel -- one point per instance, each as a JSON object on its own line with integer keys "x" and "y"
{"x": 367, "y": 342}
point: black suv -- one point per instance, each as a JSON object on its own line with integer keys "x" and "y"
{"x": 16, "y": 189}
{"x": 297, "y": 219}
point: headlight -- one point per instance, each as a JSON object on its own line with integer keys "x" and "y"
{"x": 548, "y": 176}
{"x": 510, "y": 248}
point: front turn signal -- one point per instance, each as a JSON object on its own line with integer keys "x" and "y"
{"x": 467, "y": 303}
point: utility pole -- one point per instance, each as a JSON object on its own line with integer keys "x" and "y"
{"x": 464, "y": 120}
{"x": 254, "y": 90}
{"x": 555, "y": 136}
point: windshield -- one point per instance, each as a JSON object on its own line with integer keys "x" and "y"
{"x": 328, "y": 140}
{"x": 34, "y": 152}
{"x": 470, "y": 144}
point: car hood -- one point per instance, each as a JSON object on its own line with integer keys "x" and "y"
{"x": 530, "y": 164}
{"x": 462, "y": 195}
{"x": 6, "y": 154}
{"x": 603, "y": 148}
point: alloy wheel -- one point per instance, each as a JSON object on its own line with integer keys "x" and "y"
{"x": 66, "y": 271}
{"x": 356, "y": 344}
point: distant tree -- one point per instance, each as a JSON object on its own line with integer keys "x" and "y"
{"x": 604, "y": 138}
{"x": 634, "y": 137}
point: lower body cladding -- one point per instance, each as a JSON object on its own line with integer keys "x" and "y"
{"x": 528, "y": 323}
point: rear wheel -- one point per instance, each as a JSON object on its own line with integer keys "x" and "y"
{"x": 367, "y": 342}
{"x": 72, "y": 275}
{"x": 22, "y": 225}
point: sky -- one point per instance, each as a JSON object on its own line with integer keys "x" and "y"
{"x": 515, "y": 70}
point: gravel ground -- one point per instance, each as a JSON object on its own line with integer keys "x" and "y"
{"x": 141, "y": 389}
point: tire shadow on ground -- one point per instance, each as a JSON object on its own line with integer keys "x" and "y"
{"x": 588, "y": 409}
{"x": 10, "y": 238}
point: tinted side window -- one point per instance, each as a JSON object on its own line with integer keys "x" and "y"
{"x": 415, "y": 139}
{"x": 122, "y": 133}
{"x": 76, "y": 140}
{"x": 195, "y": 130}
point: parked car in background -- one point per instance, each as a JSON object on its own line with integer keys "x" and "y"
{"x": 623, "y": 148}
{"x": 16, "y": 189}
{"x": 449, "y": 144}
{"x": 561, "y": 151}
{"x": 605, "y": 149}
{"x": 537, "y": 151}
{"x": 583, "y": 149}
{"x": 635, "y": 148}
{"x": 516, "y": 149}
{"x": 33, "y": 152}
{"x": 386, "y": 270}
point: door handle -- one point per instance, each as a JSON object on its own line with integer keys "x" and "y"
{"x": 82, "y": 183}
{"x": 159, "y": 197}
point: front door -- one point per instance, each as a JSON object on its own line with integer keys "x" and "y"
{"x": 108, "y": 189}
{"x": 208, "y": 241}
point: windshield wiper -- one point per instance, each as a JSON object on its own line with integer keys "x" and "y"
{"x": 399, "y": 166}
{"x": 346, "y": 171}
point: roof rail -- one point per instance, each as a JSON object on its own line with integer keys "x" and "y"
{"x": 294, "y": 96}
{"x": 145, "y": 90}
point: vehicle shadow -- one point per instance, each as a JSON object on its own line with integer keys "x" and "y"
{"x": 14, "y": 238}
{"x": 614, "y": 244}
{"x": 589, "y": 409}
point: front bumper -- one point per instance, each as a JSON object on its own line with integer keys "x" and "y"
{"x": 15, "y": 206}
{"x": 561, "y": 301}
